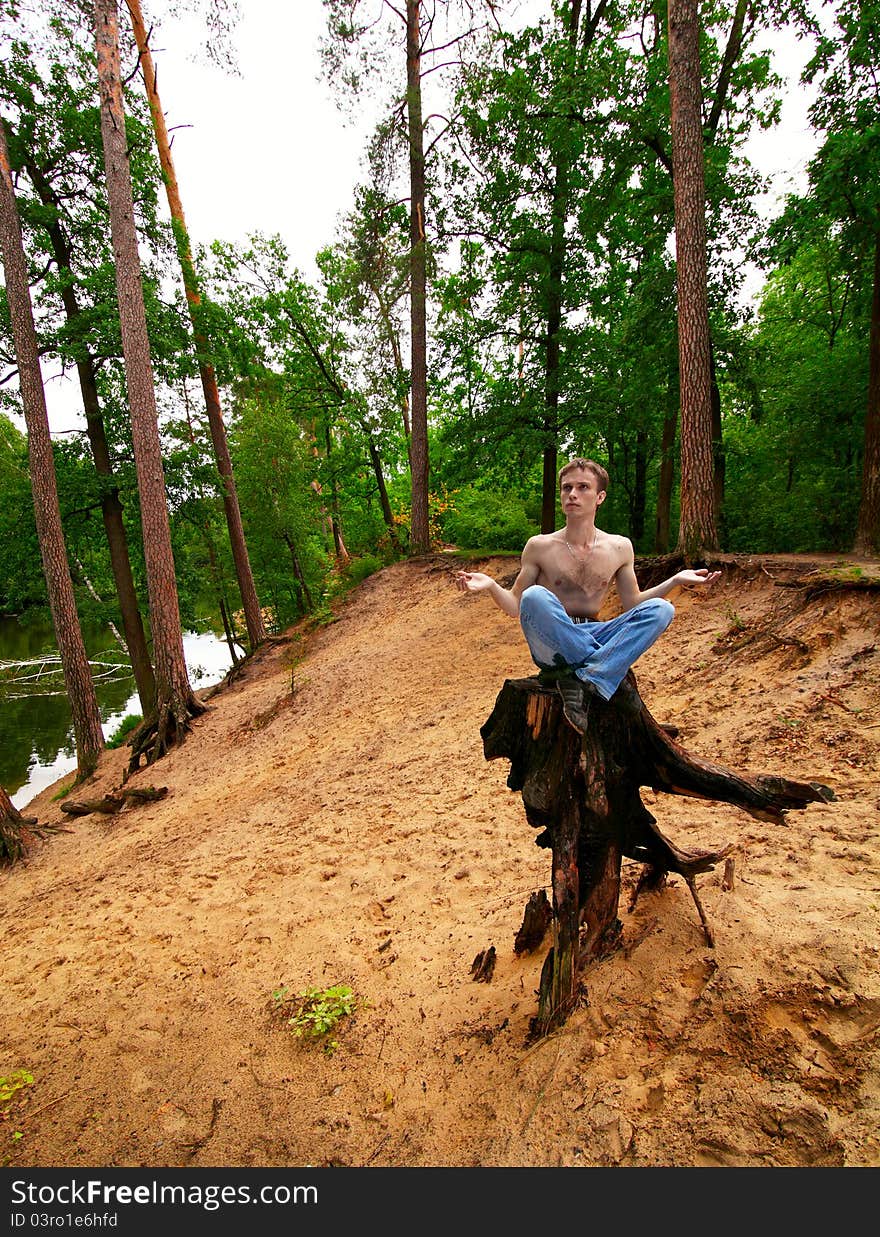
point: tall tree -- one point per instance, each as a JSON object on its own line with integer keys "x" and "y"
{"x": 252, "y": 611}
{"x": 111, "y": 506}
{"x": 55, "y": 139}
{"x": 697, "y": 528}
{"x": 175, "y": 700}
{"x": 88, "y": 734}
{"x": 348, "y": 32}
{"x": 420, "y": 538}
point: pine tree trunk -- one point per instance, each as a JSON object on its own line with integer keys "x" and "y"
{"x": 87, "y": 730}
{"x": 252, "y": 612}
{"x": 555, "y": 272}
{"x": 667, "y": 465}
{"x": 868, "y": 531}
{"x": 111, "y": 507}
{"x": 559, "y": 212}
{"x": 175, "y": 701}
{"x": 697, "y": 529}
{"x": 420, "y": 540}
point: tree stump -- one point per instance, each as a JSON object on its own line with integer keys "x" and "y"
{"x": 580, "y": 787}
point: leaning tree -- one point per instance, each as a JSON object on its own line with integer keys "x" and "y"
{"x": 88, "y": 734}
{"x": 252, "y": 612}
{"x": 176, "y": 702}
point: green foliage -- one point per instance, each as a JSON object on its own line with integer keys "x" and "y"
{"x": 480, "y": 518}
{"x": 11, "y": 1085}
{"x": 124, "y": 729}
{"x": 366, "y": 565}
{"x": 317, "y": 1012}
{"x": 21, "y": 580}
{"x": 793, "y": 435}
{"x": 557, "y": 193}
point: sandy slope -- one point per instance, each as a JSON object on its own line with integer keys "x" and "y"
{"x": 351, "y": 831}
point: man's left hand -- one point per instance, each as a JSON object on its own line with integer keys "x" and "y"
{"x": 702, "y": 575}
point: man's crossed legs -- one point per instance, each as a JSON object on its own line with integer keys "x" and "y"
{"x": 589, "y": 657}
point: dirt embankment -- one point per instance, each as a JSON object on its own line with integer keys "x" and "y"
{"x": 331, "y": 819}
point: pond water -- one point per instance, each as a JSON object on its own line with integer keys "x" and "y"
{"x": 36, "y": 733}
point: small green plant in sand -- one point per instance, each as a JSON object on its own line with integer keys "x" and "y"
{"x": 10, "y": 1085}
{"x": 317, "y": 1012}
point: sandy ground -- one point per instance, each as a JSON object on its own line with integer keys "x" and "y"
{"x": 350, "y": 831}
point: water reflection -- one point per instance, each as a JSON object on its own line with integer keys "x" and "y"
{"x": 36, "y": 734}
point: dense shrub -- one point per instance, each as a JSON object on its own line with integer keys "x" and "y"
{"x": 479, "y": 520}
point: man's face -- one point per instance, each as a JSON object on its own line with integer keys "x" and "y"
{"x": 580, "y": 493}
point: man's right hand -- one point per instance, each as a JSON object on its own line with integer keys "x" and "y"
{"x": 473, "y": 581}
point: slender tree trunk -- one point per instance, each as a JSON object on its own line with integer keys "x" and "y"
{"x": 111, "y": 507}
{"x": 555, "y": 272}
{"x": 637, "y": 508}
{"x": 252, "y": 612}
{"x": 868, "y": 530}
{"x": 342, "y": 554}
{"x": 376, "y": 461}
{"x": 394, "y": 343}
{"x": 559, "y": 212}
{"x": 550, "y": 460}
{"x": 220, "y": 591}
{"x": 697, "y": 530}
{"x": 229, "y": 631}
{"x": 175, "y": 699}
{"x": 87, "y": 730}
{"x": 298, "y": 573}
{"x": 420, "y": 540}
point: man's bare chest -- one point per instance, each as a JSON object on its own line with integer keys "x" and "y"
{"x": 569, "y": 573}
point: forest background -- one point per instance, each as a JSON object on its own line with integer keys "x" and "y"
{"x": 501, "y": 295}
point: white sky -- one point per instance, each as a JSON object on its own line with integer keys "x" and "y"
{"x": 269, "y": 151}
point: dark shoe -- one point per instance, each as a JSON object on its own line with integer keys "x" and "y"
{"x": 576, "y": 696}
{"x": 627, "y": 698}
{"x": 552, "y": 674}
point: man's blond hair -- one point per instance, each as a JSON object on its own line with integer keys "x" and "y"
{"x": 588, "y": 466}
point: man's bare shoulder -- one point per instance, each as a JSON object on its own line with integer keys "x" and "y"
{"x": 618, "y": 548}
{"x": 538, "y": 546}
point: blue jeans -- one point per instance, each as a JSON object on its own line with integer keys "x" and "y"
{"x": 598, "y": 653}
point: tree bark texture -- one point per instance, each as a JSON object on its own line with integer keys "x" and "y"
{"x": 558, "y": 215}
{"x": 868, "y": 529}
{"x": 175, "y": 701}
{"x": 384, "y": 501}
{"x": 581, "y": 789}
{"x": 111, "y": 506}
{"x": 12, "y": 830}
{"x": 86, "y": 716}
{"x": 420, "y": 537}
{"x": 697, "y": 529}
{"x": 667, "y": 467}
{"x": 253, "y": 615}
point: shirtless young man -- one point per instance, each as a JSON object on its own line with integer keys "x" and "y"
{"x": 563, "y": 580}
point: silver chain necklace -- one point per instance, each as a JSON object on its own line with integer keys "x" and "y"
{"x": 587, "y": 551}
